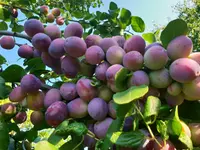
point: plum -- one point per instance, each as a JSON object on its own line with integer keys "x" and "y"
{"x": 35, "y": 101}
{"x": 68, "y": 91}
{"x": 75, "y": 46}
{"x": 111, "y": 71}
{"x": 106, "y": 43}
{"x": 114, "y": 55}
{"x": 135, "y": 43}
{"x": 8, "y": 109}
{"x": 50, "y": 18}
{"x": 56, "y": 48}
{"x": 77, "y": 108}
{"x": 160, "y": 78}
{"x": 128, "y": 124}
{"x": 50, "y": 61}
{"x": 94, "y": 55}
{"x": 179, "y": 47}
{"x": 120, "y": 40}
{"x": 151, "y": 45}
{"x": 100, "y": 71}
{"x": 70, "y": 66}
{"x": 91, "y": 40}
{"x": 52, "y": 96}
{"x": 139, "y": 78}
{"x": 56, "y": 12}
{"x": 52, "y": 31}
{"x": 85, "y": 90}
{"x": 86, "y": 69}
{"x": 174, "y": 100}
{"x": 33, "y": 26}
{"x": 30, "y": 83}
{"x": 41, "y": 42}
{"x": 56, "y": 113}
{"x": 105, "y": 93}
{"x": 14, "y": 13}
{"x": 20, "y": 117}
{"x": 111, "y": 109}
{"x": 7, "y": 42}
{"x": 17, "y": 95}
{"x": 174, "y": 89}
{"x": 184, "y": 70}
{"x": 37, "y": 118}
{"x": 152, "y": 92}
{"x": 195, "y": 56}
{"x": 73, "y": 29}
{"x": 155, "y": 58}
{"x": 44, "y": 9}
{"x": 60, "y": 20}
{"x": 133, "y": 60}
{"x": 98, "y": 109}
{"x": 167, "y": 145}
{"x": 25, "y": 51}
{"x": 36, "y": 53}
{"x": 195, "y": 133}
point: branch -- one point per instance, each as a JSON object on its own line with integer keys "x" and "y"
{"x": 129, "y": 32}
{"x": 45, "y": 86}
{"x": 20, "y": 35}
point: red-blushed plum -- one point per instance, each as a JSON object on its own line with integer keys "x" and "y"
{"x": 91, "y": 40}
{"x": 41, "y": 42}
{"x": 7, "y": 42}
{"x": 86, "y": 69}
{"x": 94, "y": 55}
{"x": 135, "y": 43}
{"x": 25, "y": 51}
{"x": 50, "y": 61}
{"x": 111, "y": 109}
{"x": 174, "y": 100}
{"x": 52, "y": 96}
{"x": 8, "y": 109}
{"x": 30, "y": 83}
{"x": 55, "y": 12}
{"x": 52, "y": 31}
{"x": 152, "y": 92}
{"x": 111, "y": 71}
{"x": 160, "y": 78}
{"x": 37, "y": 118}
{"x": 165, "y": 145}
{"x": 195, "y": 133}
{"x": 89, "y": 141}
{"x": 128, "y": 124}
{"x": 100, "y": 71}
{"x": 70, "y": 66}
{"x": 192, "y": 89}
{"x": 101, "y": 127}
{"x": 174, "y": 89}
{"x": 195, "y": 56}
{"x": 33, "y": 26}
{"x": 14, "y": 13}
{"x": 60, "y": 20}
{"x": 98, "y": 109}
{"x": 75, "y": 46}
{"x": 77, "y": 108}
{"x": 139, "y": 78}
{"x": 180, "y": 47}
{"x": 36, "y": 53}
{"x": 85, "y": 90}
{"x": 44, "y": 9}
{"x": 73, "y": 29}
{"x": 184, "y": 70}
{"x": 68, "y": 91}
{"x": 120, "y": 40}
{"x": 35, "y": 101}
{"x": 106, "y": 43}
{"x": 50, "y": 18}
{"x": 105, "y": 93}
{"x": 133, "y": 60}
{"x": 56, "y": 113}
{"x": 17, "y": 95}
{"x": 151, "y": 45}
{"x": 115, "y": 54}
{"x": 155, "y": 58}
{"x": 56, "y": 48}
{"x": 20, "y": 117}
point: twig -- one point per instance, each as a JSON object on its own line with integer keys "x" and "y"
{"x": 45, "y": 86}
{"x": 129, "y": 32}
{"x": 20, "y": 35}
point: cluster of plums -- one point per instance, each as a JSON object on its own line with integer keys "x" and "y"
{"x": 172, "y": 74}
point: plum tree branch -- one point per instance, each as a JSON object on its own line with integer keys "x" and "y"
{"x": 20, "y": 35}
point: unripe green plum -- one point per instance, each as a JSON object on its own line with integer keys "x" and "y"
{"x": 87, "y": 69}
{"x": 174, "y": 89}
{"x": 195, "y": 133}
{"x": 35, "y": 101}
{"x": 105, "y": 93}
{"x": 17, "y": 95}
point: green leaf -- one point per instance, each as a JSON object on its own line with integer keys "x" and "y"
{"x": 162, "y": 129}
{"x": 127, "y": 36}
{"x": 4, "y": 89}
{"x": 137, "y": 24}
{"x": 45, "y": 145}
{"x": 174, "y": 127}
{"x": 121, "y": 79}
{"x": 62, "y": 128}
{"x": 4, "y": 13}
{"x": 13, "y": 73}
{"x": 73, "y": 144}
{"x": 186, "y": 140}
{"x": 2, "y": 60}
{"x": 3, "y": 25}
{"x": 128, "y": 139}
{"x": 1, "y": 12}
{"x": 4, "y": 136}
{"x": 124, "y": 18}
{"x": 17, "y": 28}
{"x": 122, "y": 110}
{"x": 31, "y": 135}
{"x": 173, "y": 29}
{"x": 131, "y": 94}
{"x": 151, "y": 109}
{"x": 34, "y": 64}
{"x": 149, "y": 37}
{"x": 113, "y": 6}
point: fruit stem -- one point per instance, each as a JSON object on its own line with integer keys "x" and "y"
{"x": 76, "y": 147}
{"x": 92, "y": 135}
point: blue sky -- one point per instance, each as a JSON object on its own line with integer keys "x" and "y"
{"x": 158, "y": 12}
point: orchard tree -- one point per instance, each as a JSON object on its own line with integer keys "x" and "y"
{"x": 95, "y": 83}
